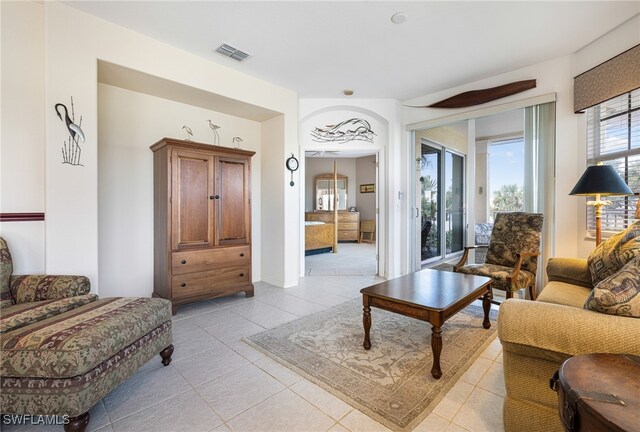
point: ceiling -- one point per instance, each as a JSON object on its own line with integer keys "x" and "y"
{"x": 320, "y": 48}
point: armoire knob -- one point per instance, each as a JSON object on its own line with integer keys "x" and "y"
{"x": 183, "y": 262}
{"x": 183, "y": 284}
{"x": 241, "y": 254}
{"x": 241, "y": 274}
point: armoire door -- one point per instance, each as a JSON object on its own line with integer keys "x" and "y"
{"x": 233, "y": 207}
{"x": 193, "y": 199}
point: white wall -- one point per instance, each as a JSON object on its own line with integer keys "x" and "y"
{"x": 71, "y": 207}
{"x": 366, "y": 174}
{"x": 129, "y": 122}
{"x": 22, "y": 139}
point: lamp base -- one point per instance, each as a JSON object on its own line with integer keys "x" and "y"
{"x": 598, "y": 204}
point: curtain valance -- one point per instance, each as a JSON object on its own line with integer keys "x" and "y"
{"x": 616, "y": 76}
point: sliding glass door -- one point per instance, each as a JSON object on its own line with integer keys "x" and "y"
{"x": 441, "y": 202}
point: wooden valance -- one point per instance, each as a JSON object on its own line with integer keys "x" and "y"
{"x": 612, "y": 78}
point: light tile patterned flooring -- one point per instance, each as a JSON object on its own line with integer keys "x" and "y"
{"x": 216, "y": 382}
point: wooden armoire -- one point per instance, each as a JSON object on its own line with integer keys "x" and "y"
{"x": 202, "y": 221}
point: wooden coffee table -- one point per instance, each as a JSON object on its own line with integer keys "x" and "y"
{"x": 428, "y": 295}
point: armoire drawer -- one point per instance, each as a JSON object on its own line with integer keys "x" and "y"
{"x": 194, "y": 284}
{"x": 209, "y": 259}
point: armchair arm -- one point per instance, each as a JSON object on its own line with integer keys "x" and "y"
{"x": 569, "y": 270}
{"x": 543, "y": 328}
{"x": 519, "y": 259}
{"x": 32, "y": 288}
{"x": 465, "y": 256}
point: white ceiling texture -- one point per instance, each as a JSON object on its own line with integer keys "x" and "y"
{"x": 320, "y": 48}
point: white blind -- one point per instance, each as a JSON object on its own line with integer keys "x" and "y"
{"x": 613, "y": 138}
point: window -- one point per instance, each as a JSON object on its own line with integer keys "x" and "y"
{"x": 613, "y": 138}
{"x": 506, "y": 176}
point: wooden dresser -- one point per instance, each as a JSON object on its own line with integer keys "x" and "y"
{"x": 348, "y": 223}
{"x": 202, "y": 221}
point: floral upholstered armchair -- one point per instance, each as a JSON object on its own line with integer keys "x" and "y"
{"x": 512, "y": 257}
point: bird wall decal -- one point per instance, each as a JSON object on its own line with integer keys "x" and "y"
{"x": 216, "y": 137}
{"x": 189, "y": 132}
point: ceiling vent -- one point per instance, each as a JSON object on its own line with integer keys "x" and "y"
{"x": 234, "y": 53}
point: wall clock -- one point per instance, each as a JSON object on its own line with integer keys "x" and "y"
{"x": 292, "y": 165}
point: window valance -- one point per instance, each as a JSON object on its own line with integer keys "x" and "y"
{"x": 616, "y": 76}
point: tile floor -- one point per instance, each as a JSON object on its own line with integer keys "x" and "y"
{"x": 216, "y": 382}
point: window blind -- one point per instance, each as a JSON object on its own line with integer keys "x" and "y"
{"x": 613, "y": 138}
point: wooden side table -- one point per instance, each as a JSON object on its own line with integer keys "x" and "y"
{"x": 600, "y": 392}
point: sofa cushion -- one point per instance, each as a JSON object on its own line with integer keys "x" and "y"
{"x": 72, "y": 343}
{"x": 500, "y": 275}
{"x": 24, "y": 314}
{"x": 612, "y": 254}
{"x": 569, "y": 270}
{"x": 563, "y": 293}
{"x": 619, "y": 294}
{"x": 6, "y": 269}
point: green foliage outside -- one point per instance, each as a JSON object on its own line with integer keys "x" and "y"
{"x": 509, "y": 197}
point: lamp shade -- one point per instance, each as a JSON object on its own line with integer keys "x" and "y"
{"x": 601, "y": 179}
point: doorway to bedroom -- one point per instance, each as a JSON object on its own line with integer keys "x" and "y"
{"x": 340, "y": 213}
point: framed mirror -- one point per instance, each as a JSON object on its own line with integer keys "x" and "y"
{"x": 324, "y": 198}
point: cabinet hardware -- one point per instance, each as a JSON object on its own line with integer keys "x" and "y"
{"x": 211, "y": 197}
{"x": 183, "y": 284}
{"x": 183, "y": 262}
{"x": 241, "y": 274}
{"x": 241, "y": 254}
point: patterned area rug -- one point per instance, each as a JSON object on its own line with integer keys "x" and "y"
{"x": 391, "y": 382}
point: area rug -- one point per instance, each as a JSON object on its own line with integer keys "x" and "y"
{"x": 391, "y": 382}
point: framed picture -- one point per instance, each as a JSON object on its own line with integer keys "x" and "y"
{"x": 367, "y": 188}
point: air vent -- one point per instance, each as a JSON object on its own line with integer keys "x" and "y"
{"x": 234, "y": 53}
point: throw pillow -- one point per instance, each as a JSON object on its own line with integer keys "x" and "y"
{"x": 612, "y": 254}
{"x": 6, "y": 269}
{"x": 619, "y": 294}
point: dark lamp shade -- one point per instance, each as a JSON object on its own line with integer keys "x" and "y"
{"x": 601, "y": 179}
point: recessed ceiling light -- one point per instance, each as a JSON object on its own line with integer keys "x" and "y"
{"x": 399, "y": 18}
{"x": 347, "y": 92}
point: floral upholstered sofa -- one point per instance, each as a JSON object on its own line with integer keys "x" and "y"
{"x": 588, "y": 306}
{"x": 62, "y": 349}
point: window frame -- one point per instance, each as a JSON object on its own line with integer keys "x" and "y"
{"x": 614, "y": 222}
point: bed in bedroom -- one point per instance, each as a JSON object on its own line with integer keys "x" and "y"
{"x": 318, "y": 236}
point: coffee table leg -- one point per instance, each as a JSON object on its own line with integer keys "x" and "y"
{"x": 366, "y": 321}
{"x": 486, "y": 305}
{"x": 436, "y": 347}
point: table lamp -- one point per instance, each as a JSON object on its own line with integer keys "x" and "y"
{"x": 600, "y": 180}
